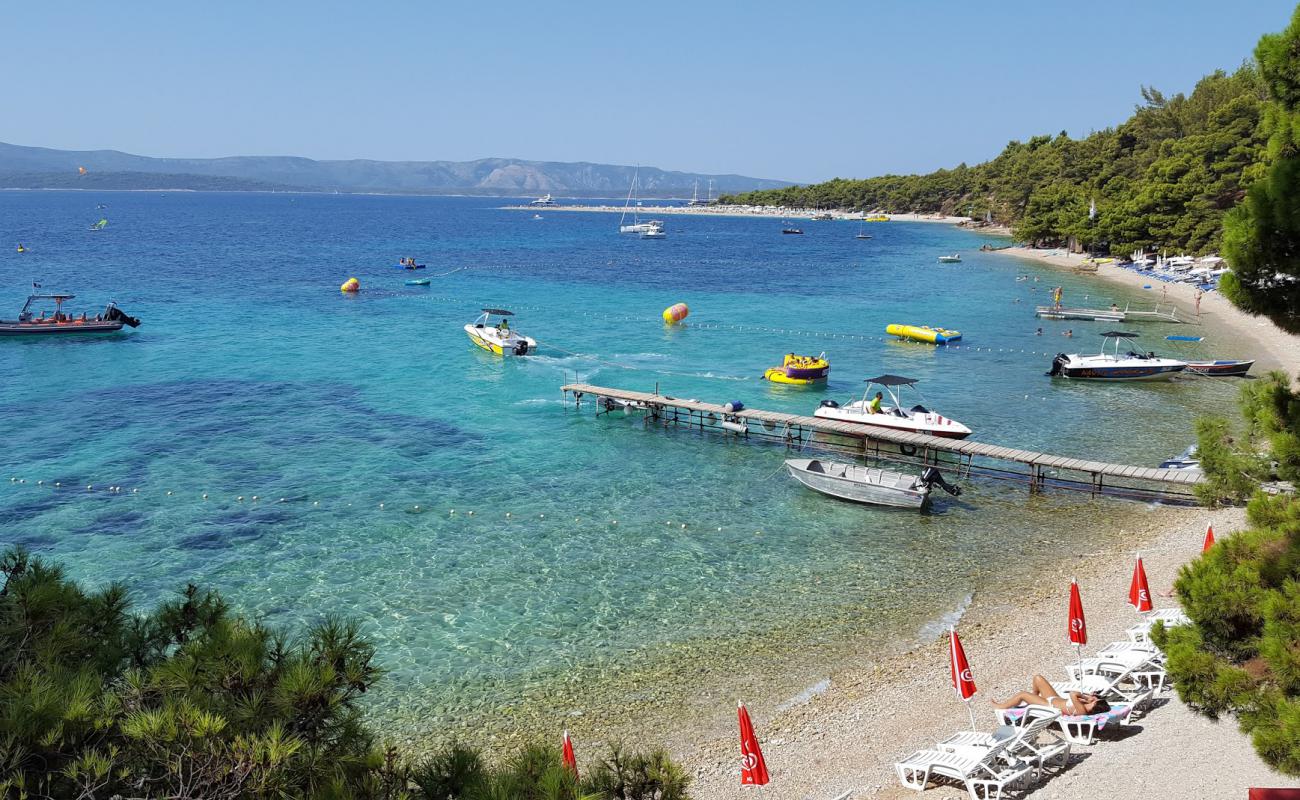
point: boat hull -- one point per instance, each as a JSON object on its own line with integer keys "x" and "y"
{"x": 929, "y": 424}
{"x": 485, "y": 339}
{"x": 1221, "y": 369}
{"x": 1118, "y": 374}
{"x": 859, "y": 484}
{"x": 10, "y": 328}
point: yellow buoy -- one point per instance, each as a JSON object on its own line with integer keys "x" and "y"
{"x": 350, "y": 286}
{"x": 675, "y": 313}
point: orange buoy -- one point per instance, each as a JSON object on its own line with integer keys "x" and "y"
{"x": 675, "y": 313}
{"x": 350, "y": 286}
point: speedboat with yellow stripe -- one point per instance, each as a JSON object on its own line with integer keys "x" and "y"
{"x": 499, "y": 338}
{"x": 798, "y": 370}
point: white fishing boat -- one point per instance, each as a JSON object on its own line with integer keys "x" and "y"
{"x": 637, "y": 225}
{"x": 1112, "y": 366}
{"x": 499, "y": 338}
{"x": 870, "y": 485}
{"x": 544, "y": 200}
{"x": 917, "y": 419}
{"x": 655, "y": 230}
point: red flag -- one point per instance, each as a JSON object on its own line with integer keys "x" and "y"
{"x": 1209, "y": 538}
{"x": 1078, "y": 627}
{"x": 962, "y": 680}
{"x": 753, "y": 770}
{"x": 567, "y": 753}
{"x": 1139, "y": 594}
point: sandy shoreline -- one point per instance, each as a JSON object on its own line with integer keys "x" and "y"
{"x": 738, "y": 211}
{"x": 843, "y": 741}
{"x": 1241, "y": 335}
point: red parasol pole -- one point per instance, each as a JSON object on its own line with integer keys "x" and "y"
{"x": 962, "y": 680}
{"x": 1078, "y": 626}
{"x": 1139, "y": 594}
{"x": 566, "y": 751}
{"x": 753, "y": 769}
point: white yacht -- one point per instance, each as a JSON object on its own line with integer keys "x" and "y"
{"x": 655, "y": 230}
{"x": 917, "y": 419}
{"x": 544, "y": 200}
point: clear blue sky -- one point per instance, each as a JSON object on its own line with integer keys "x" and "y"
{"x": 800, "y": 91}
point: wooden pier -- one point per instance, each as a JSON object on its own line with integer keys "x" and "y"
{"x": 963, "y": 456}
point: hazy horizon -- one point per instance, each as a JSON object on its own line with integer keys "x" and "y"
{"x": 761, "y": 90}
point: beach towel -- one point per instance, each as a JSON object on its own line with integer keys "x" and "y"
{"x": 1118, "y": 712}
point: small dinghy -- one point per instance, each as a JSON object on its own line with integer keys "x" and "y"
{"x": 792, "y": 231}
{"x": 1185, "y": 460}
{"x": 1223, "y": 368}
{"x": 955, "y": 258}
{"x": 878, "y": 487}
{"x": 418, "y": 282}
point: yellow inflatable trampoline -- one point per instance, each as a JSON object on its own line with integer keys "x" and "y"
{"x": 923, "y": 333}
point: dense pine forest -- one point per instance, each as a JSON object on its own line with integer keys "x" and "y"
{"x": 1161, "y": 180}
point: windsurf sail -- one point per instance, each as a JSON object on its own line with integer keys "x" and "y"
{"x": 99, "y": 226}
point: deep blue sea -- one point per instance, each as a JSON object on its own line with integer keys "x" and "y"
{"x": 361, "y": 422}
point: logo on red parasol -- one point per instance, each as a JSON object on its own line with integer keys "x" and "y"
{"x": 753, "y": 770}
{"x": 1139, "y": 594}
{"x": 962, "y": 680}
{"x": 1078, "y": 626}
{"x": 566, "y": 752}
{"x": 1209, "y": 538}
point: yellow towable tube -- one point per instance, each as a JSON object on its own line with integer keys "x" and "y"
{"x": 796, "y": 370}
{"x": 923, "y": 333}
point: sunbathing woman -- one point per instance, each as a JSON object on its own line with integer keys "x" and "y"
{"x": 1077, "y": 704}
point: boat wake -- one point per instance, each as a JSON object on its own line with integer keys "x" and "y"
{"x": 937, "y": 627}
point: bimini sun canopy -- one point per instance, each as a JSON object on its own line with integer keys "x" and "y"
{"x": 1119, "y": 335}
{"x": 500, "y": 312}
{"x": 892, "y": 380}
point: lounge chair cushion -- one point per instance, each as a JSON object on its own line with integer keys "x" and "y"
{"x": 1099, "y": 721}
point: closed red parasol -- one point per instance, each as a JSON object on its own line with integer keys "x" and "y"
{"x": 1209, "y": 538}
{"x": 962, "y": 680}
{"x": 753, "y": 770}
{"x": 566, "y": 751}
{"x": 1139, "y": 594}
{"x": 1078, "y": 626}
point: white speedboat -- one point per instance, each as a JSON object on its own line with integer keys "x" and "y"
{"x": 1113, "y": 366}
{"x": 917, "y": 419}
{"x": 655, "y": 231}
{"x": 499, "y": 338}
{"x": 870, "y": 485}
{"x": 955, "y": 258}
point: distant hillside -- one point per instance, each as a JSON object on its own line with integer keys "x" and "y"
{"x": 500, "y": 176}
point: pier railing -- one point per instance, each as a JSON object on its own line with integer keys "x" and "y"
{"x": 1040, "y": 471}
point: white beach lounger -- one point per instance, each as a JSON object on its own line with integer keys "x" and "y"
{"x": 979, "y": 768}
{"x": 1023, "y": 735}
{"x": 1144, "y": 665}
{"x": 1169, "y": 616}
{"x": 1082, "y": 729}
{"x": 1115, "y": 681}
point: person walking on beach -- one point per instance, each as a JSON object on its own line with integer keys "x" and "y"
{"x": 1199, "y": 293}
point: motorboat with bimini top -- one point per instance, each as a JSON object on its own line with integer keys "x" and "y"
{"x": 880, "y": 487}
{"x": 499, "y": 338}
{"x": 1112, "y": 366}
{"x": 654, "y": 231}
{"x": 875, "y": 413}
{"x": 796, "y": 370}
{"x": 29, "y": 322}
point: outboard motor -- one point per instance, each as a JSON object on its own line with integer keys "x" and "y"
{"x": 1058, "y": 365}
{"x": 521, "y": 348}
{"x": 830, "y": 404}
{"x": 931, "y": 477}
{"x": 115, "y": 314}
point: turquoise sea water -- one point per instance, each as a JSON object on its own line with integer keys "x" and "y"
{"x": 253, "y": 376}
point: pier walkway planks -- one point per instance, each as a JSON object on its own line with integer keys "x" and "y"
{"x": 1184, "y": 479}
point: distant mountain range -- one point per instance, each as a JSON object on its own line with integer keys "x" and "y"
{"x": 40, "y": 167}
